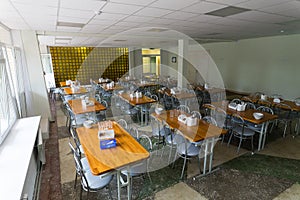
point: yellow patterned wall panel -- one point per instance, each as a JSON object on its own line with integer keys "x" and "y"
{"x": 85, "y": 63}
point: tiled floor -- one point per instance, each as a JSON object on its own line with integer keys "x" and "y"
{"x": 52, "y": 182}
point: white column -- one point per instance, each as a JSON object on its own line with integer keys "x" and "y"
{"x": 182, "y": 51}
{"x": 40, "y": 98}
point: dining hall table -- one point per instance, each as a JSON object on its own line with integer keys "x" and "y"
{"x": 74, "y": 91}
{"x": 127, "y": 153}
{"x": 201, "y": 131}
{"x": 247, "y": 115}
{"x": 78, "y": 107}
{"x": 269, "y": 100}
{"x": 134, "y": 101}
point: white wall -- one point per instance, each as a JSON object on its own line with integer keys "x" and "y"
{"x": 5, "y": 36}
{"x": 270, "y": 64}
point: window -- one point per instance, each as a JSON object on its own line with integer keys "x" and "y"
{"x": 8, "y": 111}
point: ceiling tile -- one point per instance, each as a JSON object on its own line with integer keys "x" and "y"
{"x": 228, "y": 2}
{"x": 160, "y": 21}
{"x": 203, "y": 18}
{"x": 133, "y": 18}
{"x": 134, "y": 2}
{"x": 110, "y": 17}
{"x": 76, "y": 13}
{"x": 173, "y": 4}
{"x": 203, "y": 7}
{"x": 52, "y": 3}
{"x": 256, "y": 4}
{"x": 283, "y": 7}
{"x": 82, "y": 5}
{"x": 153, "y": 12}
{"x": 120, "y": 8}
{"x": 180, "y": 15}
{"x": 261, "y": 17}
{"x": 101, "y": 22}
{"x": 29, "y": 9}
{"x": 127, "y": 24}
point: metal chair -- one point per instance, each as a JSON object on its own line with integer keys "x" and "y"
{"x": 90, "y": 182}
{"x": 123, "y": 123}
{"x": 183, "y": 108}
{"x": 283, "y": 111}
{"x": 240, "y": 130}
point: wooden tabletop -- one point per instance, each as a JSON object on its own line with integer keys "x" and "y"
{"x": 256, "y": 99}
{"x": 69, "y": 91}
{"x": 78, "y": 108}
{"x": 192, "y": 133}
{"x": 246, "y": 115}
{"x": 128, "y": 150}
{"x": 116, "y": 87}
{"x": 136, "y": 101}
{"x": 63, "y": 84}
{"x": 147, "y": 84}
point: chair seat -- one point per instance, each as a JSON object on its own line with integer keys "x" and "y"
{"x": 175, "y": 138}
{"x": 247, "y": 132}
{"x": 96, "y": 182}
{"x": 192, "y": 150}
{"x": 136, "y": 169}
{"x": 85, "y": 164}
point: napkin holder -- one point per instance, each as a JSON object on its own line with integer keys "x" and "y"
{"x": 182, "y": 118}
{"x": 241, "y": 107}
{"x": 107, "y": 144}
{"x": 232, "y": 106}
{"x": 106, "y": 134}
{"x": 191, "y": 121}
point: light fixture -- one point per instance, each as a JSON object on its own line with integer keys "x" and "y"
{"x": 70, "y": 24}
{"x": 227, "y": 11}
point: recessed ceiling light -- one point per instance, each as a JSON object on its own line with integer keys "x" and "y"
{"x": 227, "y": 11}
{"x": 71, "y": 24}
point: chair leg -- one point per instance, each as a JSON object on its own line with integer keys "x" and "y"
{"x": 285, "y": 127}
{"x": 75, "y": 181}
{"x": 109, "y": 192}
{"x": 238, "y": 150}
{"x": 80, "y": 192}
{"x": 229, "y": 139}
{"x": 252, "y": 147}
{"x": 182, "y": 172}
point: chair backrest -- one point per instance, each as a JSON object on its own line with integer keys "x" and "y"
{"x": 237, "y": 101}
{"x": 146, "y": 142}
{"x": 196, "y": 114}
{"x": 282, "y": 110}
{"x": 75, "y": 138}
{"x": 209, "y": 109}
{"x": 183, "y": 108}
{"x": 250, "y": 105}
{"x": 155, "y": 126}
{"x": 256, "y": 94}
{"x": 207, "y": 146}
{"x": 104, "y": 103}
{"x": 221, "y": 117}
{"x": 237, "y": 120}
{"x": 123, "y": 123}
{"x": 246, "y": 98}
{"x": 78, "y": 165}
{"x": 153, "y": 96}
{"x": 210, "y": 120}
{"x": 147, "y": 94}
{"x": 134, "y": 132}
{"x": 265, "y": 109}
{"x": 264, "y": 102}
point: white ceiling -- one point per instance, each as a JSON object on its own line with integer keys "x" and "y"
{"x": 101, "y": 19}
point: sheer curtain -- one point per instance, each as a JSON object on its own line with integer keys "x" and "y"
{"x": 8, "y": 111}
